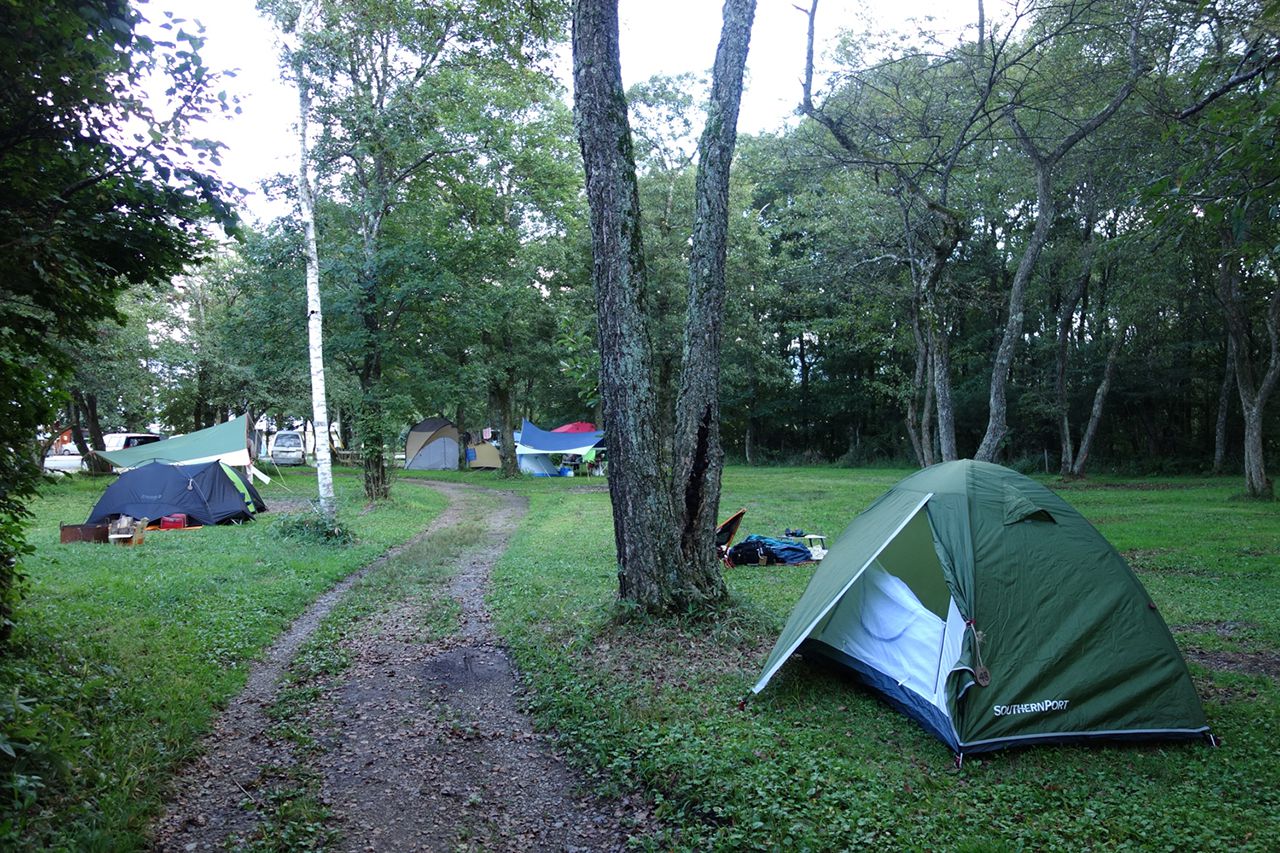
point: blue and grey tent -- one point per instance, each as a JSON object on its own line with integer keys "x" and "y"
{"x": 208, "y": 493}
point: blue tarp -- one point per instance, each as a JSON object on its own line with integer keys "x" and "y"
{"x": 534, "y": 440}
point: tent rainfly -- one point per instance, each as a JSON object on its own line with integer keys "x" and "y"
{"x": 534, "y": 447}
{"x": 432, "y": 445}
{"x": 208, "y": 492}
{"x": 227, "y": 443}
{"x": 981, "y": 604}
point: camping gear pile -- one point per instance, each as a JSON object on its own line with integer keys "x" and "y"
{"x": 985, "y": 607}
{"x": 125, "y": 530}
{"x": 758, "y": 550}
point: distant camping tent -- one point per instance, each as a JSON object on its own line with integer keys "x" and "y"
{"x": 227, "y": 443}
{"x": 576, "y": 426}
{"x": 432, "y": 445}
{"x": 483, "y": 455}
{"x": 535, "y": 447}
{"x": 982, "y": 605}
{"x": 208, "y": 493}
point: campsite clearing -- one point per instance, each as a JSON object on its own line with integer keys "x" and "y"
{"x": 817, "y": 762}
{"x": 137, "y": 659}
{"x": 122, "y": 655}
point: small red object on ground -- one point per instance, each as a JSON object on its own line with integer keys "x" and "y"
{"x": 173, "y": 522}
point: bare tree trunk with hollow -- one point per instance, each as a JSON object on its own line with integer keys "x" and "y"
{"x": 699, "y": 458}
{"x": 663, "y": 526}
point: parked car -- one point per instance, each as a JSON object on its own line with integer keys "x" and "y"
{"x": 288, "y": 448}
{"x": 65, "y": 460}
{"x": 124, "y": 440}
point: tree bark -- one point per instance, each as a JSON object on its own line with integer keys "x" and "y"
{"x": 77, "y": 428}
{"x": 315, "y": 319}
{"x": 699, "y": 457}
{"x": 643, "y": 523}
{"x": 1224, "y": 409}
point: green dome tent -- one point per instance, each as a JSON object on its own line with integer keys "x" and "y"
{"x": 981, "y": 604}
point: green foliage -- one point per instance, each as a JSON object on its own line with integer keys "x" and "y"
{"x": 96, "y": 193}
{"x": 122, "y": 655}
{"x": 815, "y": 763}
{"x": 312, "y": 528}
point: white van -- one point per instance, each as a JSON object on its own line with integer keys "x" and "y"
{"x": 288, "y": 448}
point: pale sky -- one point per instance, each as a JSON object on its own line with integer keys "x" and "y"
{"x": 658, "y": 37}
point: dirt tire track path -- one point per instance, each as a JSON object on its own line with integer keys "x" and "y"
{"x": 423, "y": 744}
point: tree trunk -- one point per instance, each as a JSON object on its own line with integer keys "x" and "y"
{"x": 643, "y": 523}
{"x": 941, "y": 348}
{"x": 998, "y": 402}
{"x": 1095, "y": 414}
{"x": 371, "y": 427}
{"x": 699, "y": 457}
{"x": 1254, "y": 392}
{"x": 88, "y": 405}
{"x": 926, "y": 418}
{"x": 922, "y": 366}
{"x": 315, "y": 324}
{"x": 501, "y": 396}
{"x": 77, "y": 429}
{"x": 1224, "y": 409}
{"x": 460, "y": 423}
{"x": 1066, "y": 323}
{"x": 1255, "y": 473}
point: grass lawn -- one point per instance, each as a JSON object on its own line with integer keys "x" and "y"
{"x": 816, "y": 763}
{"x": 122, "y": 656}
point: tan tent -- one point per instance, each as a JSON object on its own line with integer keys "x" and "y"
{"x": 483, "y": 455}
{"x": 432, "y": 445}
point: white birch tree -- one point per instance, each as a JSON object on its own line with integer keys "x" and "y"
{"x": 315, "y": 324}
